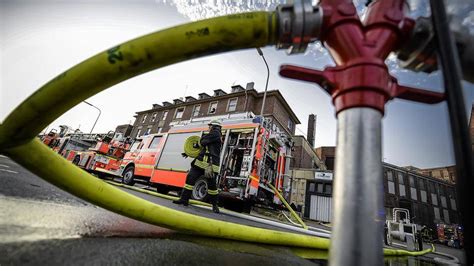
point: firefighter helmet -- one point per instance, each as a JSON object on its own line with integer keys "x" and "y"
{"x": 215, "y": 123}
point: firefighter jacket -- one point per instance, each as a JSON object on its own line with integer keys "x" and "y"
{"x": 211, "y": 150}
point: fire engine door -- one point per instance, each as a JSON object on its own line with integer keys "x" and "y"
{"x": 147, "y": 156}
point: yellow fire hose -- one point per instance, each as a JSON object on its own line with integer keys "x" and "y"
{"x": 293, "y": 213}
{"x": 132, "y": 58}
{"x": 189, "y": 146}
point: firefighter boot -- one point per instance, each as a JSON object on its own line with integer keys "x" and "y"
{"x": 184, "y": 199}
{"x": 215, "y": 208}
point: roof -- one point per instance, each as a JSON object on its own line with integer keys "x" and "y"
{"x": 276, "y": 93}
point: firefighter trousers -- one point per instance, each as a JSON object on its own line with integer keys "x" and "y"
{"x": 193, "y": 175}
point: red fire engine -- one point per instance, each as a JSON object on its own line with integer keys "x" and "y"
{"x": 251, "y": 157}
{"x": 103, "y": 159}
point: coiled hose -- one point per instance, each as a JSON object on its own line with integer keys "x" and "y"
{"x": 119, "y": 63}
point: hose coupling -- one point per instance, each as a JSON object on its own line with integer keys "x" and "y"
{"x": 298, "y": 25}
{"x": 419, "y": 53}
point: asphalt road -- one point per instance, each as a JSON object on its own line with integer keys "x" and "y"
{"x": 43, "y": 225}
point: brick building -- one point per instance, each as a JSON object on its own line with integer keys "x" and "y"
{"x": 429, "y": 200}
{"x": 327, "y": 154}
{"x": 239, "y": 101}
{"x": 125, "y": 130}
{"x": 445, "y": 173}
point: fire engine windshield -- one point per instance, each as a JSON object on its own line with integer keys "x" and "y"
{"x": 135, "y": 145}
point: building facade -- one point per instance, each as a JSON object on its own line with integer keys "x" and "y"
{"x": 239, "y": 100}
{"x": 430, "y": 200}
{"x": 125, "y": 130}
{"x": 446, "y": 173}
{"x": 327, "y": 155}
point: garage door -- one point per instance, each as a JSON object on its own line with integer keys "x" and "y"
{"x": 321, "y": 208}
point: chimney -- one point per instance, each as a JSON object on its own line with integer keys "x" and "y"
{"x": 311, "y": 129}
{"x": 249, "y": 86}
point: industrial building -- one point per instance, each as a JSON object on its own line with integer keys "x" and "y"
{"x": 429, "y": 200}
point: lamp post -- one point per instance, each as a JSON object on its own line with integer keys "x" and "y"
{"x": 266, "y": 84}
{"x": 97, "y": 116}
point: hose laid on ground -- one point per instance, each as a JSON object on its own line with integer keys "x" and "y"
{"x": 19, "y": 130}
{"x": 293, "y": 213}
{"x": 189, "y": 146}
{"x": 156, "y": 194}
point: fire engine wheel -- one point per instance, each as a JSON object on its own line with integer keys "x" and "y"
{"x": 127, "y": 176}
{"x": 200, "y": 189}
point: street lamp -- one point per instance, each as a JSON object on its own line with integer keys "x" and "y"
{"x": 266, "y": 84}
{"x": 97, "y": 116}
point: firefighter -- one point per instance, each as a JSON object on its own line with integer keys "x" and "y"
{"x": 205, "y": 164}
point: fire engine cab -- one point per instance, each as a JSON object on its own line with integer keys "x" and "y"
{"x": 252, "y": 156}
{"x": 105, "y": 157}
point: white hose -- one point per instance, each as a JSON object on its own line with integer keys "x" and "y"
{"x": 269, "y": 222}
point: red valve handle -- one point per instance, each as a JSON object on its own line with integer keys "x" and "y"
{"x": 330, "y": 78}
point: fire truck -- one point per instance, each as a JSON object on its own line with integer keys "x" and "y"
{"x": 252, "y": 156}
{"x": 67, "y": 140}
{"x": 105, "y": 157}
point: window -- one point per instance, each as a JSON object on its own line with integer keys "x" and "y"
{"x": 421, "y": 184}
{"x": 165, "y": 114}
{"x": 434, "y": 199}
{"x": 196, "y": 110}
{"x": 436, "y": 213}
{"x": 158, "y": 130}
{"x": 320, "y": 188}
{"x": 154, "y": 143}
{"x": 401, "y": 188}
{"x": 400, "y": 178}
{"x": 311, "y": 187}
{"x": 423, "y": 195}
{"x": 153, "y": 117}
{"x": 135, "y": 145}
{"x": 171, "y": 153}
{"x": 401, "y": 184}
{"x": 138, "y": 132}
{"x": 446, "y": 216}
{"x": 389, "y": 176}
{"x": 148, "y": 130}
{"x": 413, "y": 193}
{"x": 232, "y": 105}
{"x": 453, "y": 204}
{"x": 290, "y": 124}
{"x": 391, "y": 187}
{"x": 213, "y": 108}
{"x": 328, "y": 188}
{"x": 144, "y": 118}
{"x": 444, "y": 203}
{"x": 411, "y": 181}
{"x": 179, "y": 113}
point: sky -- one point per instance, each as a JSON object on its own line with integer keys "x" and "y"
{"x": 40, "y": 39}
